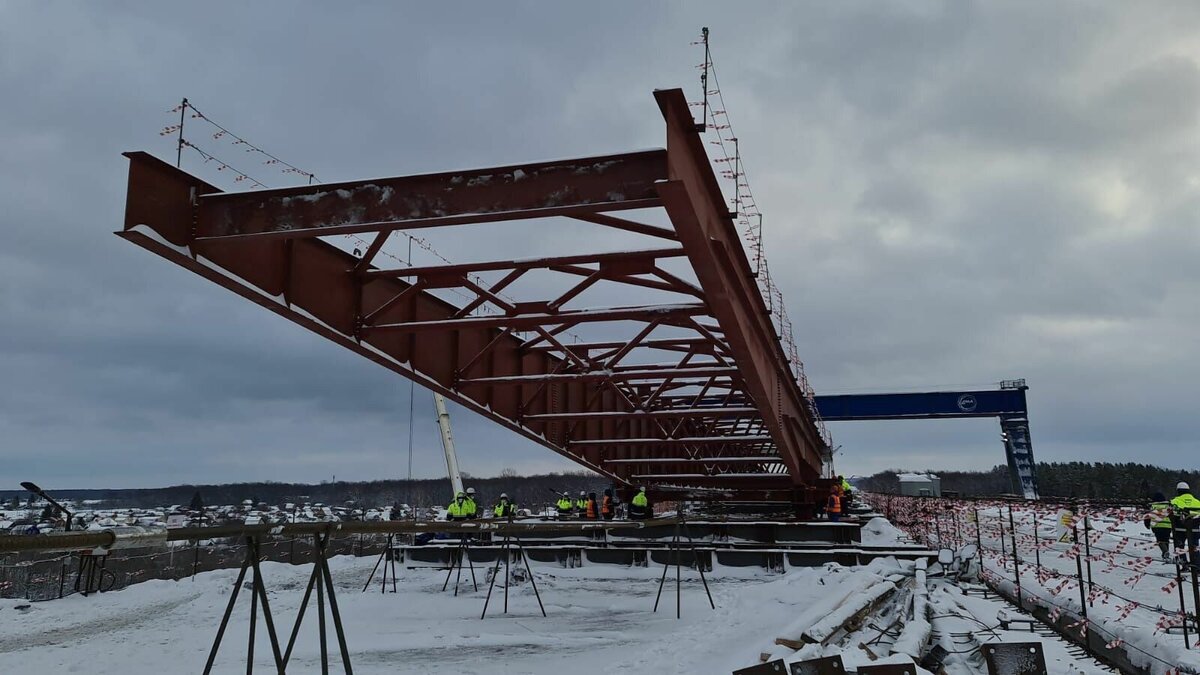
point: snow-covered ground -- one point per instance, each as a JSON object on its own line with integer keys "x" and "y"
{"x": 1133, "y": 598}
{"x": 599, "y": 621}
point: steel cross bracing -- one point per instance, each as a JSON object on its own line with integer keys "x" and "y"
{"x": 697, "y": 393}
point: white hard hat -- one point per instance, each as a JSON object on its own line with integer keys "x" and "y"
{"x": 503, "y": 495}
{"x": 1182, "y": 486}
{"x": 582, "y": 493}
{"x": 642, "y": 488}
{"x": 470, "y": 491}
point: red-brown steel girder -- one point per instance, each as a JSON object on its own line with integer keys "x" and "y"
{"x": 628, "y": 421}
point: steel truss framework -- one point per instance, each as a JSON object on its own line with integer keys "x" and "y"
{"x": 720, "y": 413}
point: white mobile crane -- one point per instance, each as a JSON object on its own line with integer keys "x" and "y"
{"x": 443, "y": 419}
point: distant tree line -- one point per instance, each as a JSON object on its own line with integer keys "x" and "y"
{"x": 1093, "y": 480}
{"x": 526, "y": 490}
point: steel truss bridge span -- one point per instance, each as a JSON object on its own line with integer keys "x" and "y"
{"x": 721, "y": 414}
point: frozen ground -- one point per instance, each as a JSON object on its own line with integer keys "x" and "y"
{"x": 1133, "y": 597}
{"x": 599, "y": 621}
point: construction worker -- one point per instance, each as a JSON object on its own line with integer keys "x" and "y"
{"x": 1158, "y": 521}
{"x": 472, "y": 507}
{"x": 458, "y": 508}
{"x": 846, "y": 489}
{"x": 639, "y": 508}
{"x": 504, "y": 508}
{"x": 1185, "y": 521}
{"x": 834, "y": 506}
{"x": 564, "y": 506}
{"x": 607, "y": 508}
{"x": 592, "y": 510}
{"x": 581, "y": 505}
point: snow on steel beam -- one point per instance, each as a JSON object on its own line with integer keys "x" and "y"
{"x": 710, "y": 476}
{"x": 530, "y": 263}
{"x": 619, "y": 376}
{"x": 723, "y": 413}
{"x": 701, "y": 345}
{"x": 697, "y": 209}
{"x": 696, "y": 460}
{"x": 627, "y": 225}
{"x": 694, "y": 440}
{"x": 538, "y": 190}
{"x": 519, "y": 321}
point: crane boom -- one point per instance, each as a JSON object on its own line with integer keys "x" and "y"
{"x": 443, "y": 418}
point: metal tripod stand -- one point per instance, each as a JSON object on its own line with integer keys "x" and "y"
{"x": 675, "y": 552}
{"x": 258, "y": 591}
{"x": 506, "y": 555}
{"x": 388, "y": 559}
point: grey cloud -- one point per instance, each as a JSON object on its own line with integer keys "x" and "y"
{"x": 954, "y": 192}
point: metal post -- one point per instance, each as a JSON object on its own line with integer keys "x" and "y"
{"x": 495, "y": 573}
{"x": 661, "y": 581}
{"x": 1083, "y": 606}
{"x": 1194, "y": 564}
{"x": 1037, "y": 544}
{"x": 470, "y": 564}
{"x": 737, "y": 183}
{"x": 321, "y": 632}
{"x": 376, "y": 568}
{"x": 1182, "y": 605}
{"x": 529, "y": 571}
{"x": 393, "y": 563}
{"x": 183, "y": 106}
{"x": 678, "y": 574}
{"x": 237, "y": 586}
{"x": 699, "y": 565}
{"x": 507, "y": 561}
{"x": 937, "y": 526}
{"x": 62, "y": 574}
{"x": 978, "y": 538}
{"x": 1087, "y": 547}
{"x": 453, "y": 563}
{"x": 957, "y": 531}
{"x": 1000, "y": 520}
{"x": 758, "y": 254}
{"x": 704, "y": 79}
{"x": 195, "y": 559}
{"x": 337, "y": 617}
{"x": 268, "y": 619}
{"x": 1016, "y": 559}
{"x": 253, "y": 614}
{"x": 312, "y": 580}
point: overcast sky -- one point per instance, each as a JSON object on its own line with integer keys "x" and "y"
{"x": 955, "y": 193}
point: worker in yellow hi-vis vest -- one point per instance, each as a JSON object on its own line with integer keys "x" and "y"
{"x": 1185, "y": 522}
{"x": 1158, "y": 521}
{"x": 639, "y": 507}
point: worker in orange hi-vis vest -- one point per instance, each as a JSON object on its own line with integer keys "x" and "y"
{"x": 834, "y": 506}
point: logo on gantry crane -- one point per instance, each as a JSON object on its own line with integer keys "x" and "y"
{"x": 967, "y": 403}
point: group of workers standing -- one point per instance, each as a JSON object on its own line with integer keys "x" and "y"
{"x": 586, "y": 507}
{"x": 1177, "y": 522}
{"x": 464, "y": 507}
{"x": 839, "y": 499}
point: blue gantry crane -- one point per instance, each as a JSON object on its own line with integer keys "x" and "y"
{"x": 1007, "y": 403}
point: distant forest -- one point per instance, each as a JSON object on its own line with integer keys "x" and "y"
{"x": 1066, "y": 479}
{"x": 528, "y": 491}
